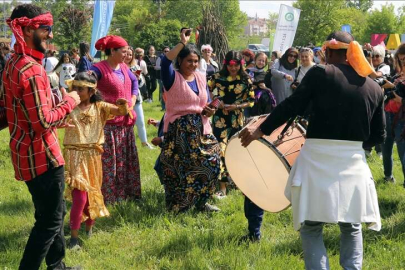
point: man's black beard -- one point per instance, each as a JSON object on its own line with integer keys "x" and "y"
{"x": 37, "y": 43}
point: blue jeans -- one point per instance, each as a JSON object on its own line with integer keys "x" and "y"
{"x": 162, "y": 102}
{"x": 389, "y": 145}
{"x": 140, "y": 123}
{"x": 351, "y": 246}
{"x": 254, "y": 215}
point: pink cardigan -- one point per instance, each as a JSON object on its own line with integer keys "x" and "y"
{"x": 111, "y": 88}
{"x": 181, "y": 100}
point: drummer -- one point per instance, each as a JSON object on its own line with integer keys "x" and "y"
{"x": 330, "y": 180}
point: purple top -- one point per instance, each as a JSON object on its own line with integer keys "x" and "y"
{"x": 168, "y": 75}
{"x": 120, "y": 75}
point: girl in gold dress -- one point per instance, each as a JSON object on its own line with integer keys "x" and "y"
{"x": 83, "y": 146}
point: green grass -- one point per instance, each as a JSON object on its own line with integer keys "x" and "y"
{"x": 143, "y": 235}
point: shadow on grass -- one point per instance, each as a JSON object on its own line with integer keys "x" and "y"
{"x": 388, "y": 207}
{"x": 15, "y": 208}
{"x": 13, "y": 241}
{"x": 142, "y": 212}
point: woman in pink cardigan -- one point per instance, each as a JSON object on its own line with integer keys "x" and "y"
{"x": 190, "y": 154}
{"x": 121, "y": 172}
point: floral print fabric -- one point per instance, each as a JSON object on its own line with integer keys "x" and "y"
{"x": 121, "y": 172}
{"x": 190, "y": 164}
{"x": 227, "y": 123}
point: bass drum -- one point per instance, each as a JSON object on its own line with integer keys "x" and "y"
{"x": 261, "y": 170}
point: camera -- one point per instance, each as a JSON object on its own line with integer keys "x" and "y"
{"x": 399, "y": 89}
{"x": 367, "y": 53}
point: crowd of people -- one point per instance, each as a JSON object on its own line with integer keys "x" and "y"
{"x": 351, "y": 96}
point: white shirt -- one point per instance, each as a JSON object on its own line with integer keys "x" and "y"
{"x": 385, "y": 70}
{"x": 303, "y": 71}
{"x": 49, "y": 63}
{"x": 66, "y": 72}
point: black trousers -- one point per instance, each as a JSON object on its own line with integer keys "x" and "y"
{"x": 151, "y": 84}
{"x": 47, "y": 239}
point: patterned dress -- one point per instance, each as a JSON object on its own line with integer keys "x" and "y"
{"x": 190, "y": 163}
{"x": 227, "y": 123}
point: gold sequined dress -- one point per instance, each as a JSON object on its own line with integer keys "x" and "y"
{"x": 83, "y": 147}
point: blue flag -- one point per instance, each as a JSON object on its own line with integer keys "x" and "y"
{"x": 102, "y": 16}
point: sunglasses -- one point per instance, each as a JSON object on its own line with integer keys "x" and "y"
{"x": 46, "y": 27}
{"x": 166, "y": 51}
{"x": 375, "y": 56}
{"x": 293, "y": 56}
{"x": 305, "y": 50}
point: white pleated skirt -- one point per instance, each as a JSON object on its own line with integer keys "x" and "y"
{"x": 331, "y": 182}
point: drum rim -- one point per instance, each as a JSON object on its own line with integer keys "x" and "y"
{"x": 274, "y": 148}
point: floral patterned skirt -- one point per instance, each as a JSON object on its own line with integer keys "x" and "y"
{"x": 225, "y": 125}
{"x": 190, "y": 164}
{"x": 121, "y": 172}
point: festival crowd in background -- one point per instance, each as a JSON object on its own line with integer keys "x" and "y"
{"x": 205, "y": 103}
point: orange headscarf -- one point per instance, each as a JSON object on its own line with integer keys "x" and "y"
{"x": 355, "y": 55}
{"x": 17, "y": 24}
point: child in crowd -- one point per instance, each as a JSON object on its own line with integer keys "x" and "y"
{"x": 83, "y": 146}
{"x": 264, "y": 98}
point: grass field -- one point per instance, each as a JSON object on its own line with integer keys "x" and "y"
{"x": 142, "y": 235}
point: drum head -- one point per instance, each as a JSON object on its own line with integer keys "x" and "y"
{"x": 259, "y": 173}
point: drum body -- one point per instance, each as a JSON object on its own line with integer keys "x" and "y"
{"x": 261, "y": 170}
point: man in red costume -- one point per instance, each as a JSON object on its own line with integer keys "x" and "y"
{"x": 32, "y": 121}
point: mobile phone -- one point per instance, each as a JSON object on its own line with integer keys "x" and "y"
{"x": 138, "y": 72}
{"x": 188, "y": 32}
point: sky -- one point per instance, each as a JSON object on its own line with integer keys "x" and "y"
{"x": 262, "y": 8}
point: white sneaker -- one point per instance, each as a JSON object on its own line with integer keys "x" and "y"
{"x": 148, "y": 145}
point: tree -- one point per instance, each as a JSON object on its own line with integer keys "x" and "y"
{"x": 272, "y": 21}
{"x": 163, "y": 33}
{"x": 357, "y": 19}
{"x": 72, "y": 27}
{"x": 363, "y": 5}
{"x": 382, "y": 21}
{"x": 213, "y": 31}
{"x": 69, "y": 30}
{"x": 317, "y": 20}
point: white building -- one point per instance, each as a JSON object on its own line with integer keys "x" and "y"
{"x": 256, "y": 27}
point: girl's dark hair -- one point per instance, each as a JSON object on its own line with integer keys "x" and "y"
{"x": 150, "y": 46}
{"x": 236, "y": 56}
{"x": 84, "y": 48}
{"x": 400, "y": 50}
{"x": 61, "y": 60}
{"x": 26, "y": 10}
{"x": 189, "y": 49}
{"x": 89, "y": 77}
{"x": 276, "y": 54}
{"x": 284, "y": 59}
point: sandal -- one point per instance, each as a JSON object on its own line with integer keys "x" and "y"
{"x": 220, "y": 195}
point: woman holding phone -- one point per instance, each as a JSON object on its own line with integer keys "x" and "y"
{"x": 190, "y": 155}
